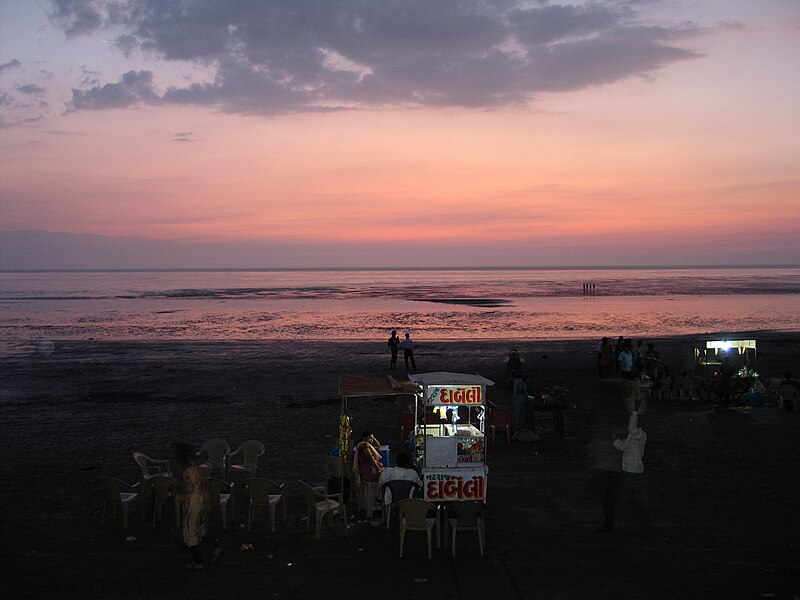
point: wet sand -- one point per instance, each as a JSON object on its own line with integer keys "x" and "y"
{"x": 721, "y": 483}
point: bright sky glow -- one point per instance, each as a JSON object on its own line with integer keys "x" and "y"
{"x": 369, "y": 133}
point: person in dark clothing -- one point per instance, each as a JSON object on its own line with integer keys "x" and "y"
{"x": 394, "y": 345}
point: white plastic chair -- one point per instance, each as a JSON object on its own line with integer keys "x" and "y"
{"x": 322, "y": 504}
{"x": 222, "y": 495}
{"x": 467, "y": 516}
{"x": 399, "y": 489}
{"x": 150, "y": 466}
{"x": 216, "y": 451}
{"x": 266, "y": 493}
{"x": 118, "y": 494}
{"x": 245, "y": 458}
{"x": 163, "y": 488}
{"x": 414, "y": 514}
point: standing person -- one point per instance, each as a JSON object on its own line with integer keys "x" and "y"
{"x": 625, "y": 361}
{"x": 367, "y": 465}
{"x": 632, "y": 448}
{"x": 394, "y": 345}
{"x": 197, "y": 489}
{"x": 789, "y": 389}
{"x": 604, "y": 358}
{"x": 726, "y": 372}
{"x": 514, "y": 364}
{"x": 519, "y": 402}
{"x": 408, "y": 353}
{"x": 638, "y": 356}
{"x": 652, "y": 361}
{"x": 618, "y": 347}
{"x": 180, "y": 461}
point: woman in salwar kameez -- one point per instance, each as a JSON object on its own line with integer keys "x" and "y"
{"x": 198, "y": 504}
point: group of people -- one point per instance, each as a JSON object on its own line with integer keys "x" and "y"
{"x": 408, "y": 351}
{"x": 626, "y": 359}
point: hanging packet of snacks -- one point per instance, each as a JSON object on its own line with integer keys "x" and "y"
{"x": 345, "y": 431}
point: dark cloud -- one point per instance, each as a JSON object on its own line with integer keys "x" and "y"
{"x": 134, "y": 88}
{"x": 281, "y": 56}
{"x": 12, "y": 64}
{"x": 31, "y": 89}
{"x": 183, "y": 136}
{"x": 77, "y": 17}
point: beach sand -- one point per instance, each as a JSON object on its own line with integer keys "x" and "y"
{"x": 721, "y": 483}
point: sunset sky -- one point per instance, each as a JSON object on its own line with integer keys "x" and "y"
{"x": 292, "y": 133}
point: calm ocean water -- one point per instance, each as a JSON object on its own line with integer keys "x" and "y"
{"x": 366, "y": 304}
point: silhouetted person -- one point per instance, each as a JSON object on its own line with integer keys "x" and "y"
{"x": 394, "y": 345}
{"x": 652, "y": 362}
{"x": 408, "y": 353}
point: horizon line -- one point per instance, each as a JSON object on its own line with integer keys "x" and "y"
{"x": 403, "y": 268}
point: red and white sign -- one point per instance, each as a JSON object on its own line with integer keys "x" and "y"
{"x": 452, "y": 485}
{"x": 454, "y": 395}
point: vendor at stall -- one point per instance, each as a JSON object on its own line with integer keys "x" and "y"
{"x": 367, "y": 464}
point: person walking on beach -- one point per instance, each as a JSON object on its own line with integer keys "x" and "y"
{"x": 394, "y": 345}
{"x": 408, "y": 353}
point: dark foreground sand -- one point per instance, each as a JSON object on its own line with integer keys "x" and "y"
{"x": 723, "y": 485}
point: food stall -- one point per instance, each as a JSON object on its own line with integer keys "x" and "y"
{"x": 352, "y": 387}
{"x": 449, "y": 435}
{"x": 724, "y": 370}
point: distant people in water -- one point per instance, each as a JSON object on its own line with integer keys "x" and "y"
{"x": 408, "y": 353}
{"x": 394, "y": 345}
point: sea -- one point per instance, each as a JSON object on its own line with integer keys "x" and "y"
{"x": 365, "y": 304}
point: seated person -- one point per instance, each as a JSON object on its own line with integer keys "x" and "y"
{"x": 404, "y": 471}
{"x": 367, "y": 465}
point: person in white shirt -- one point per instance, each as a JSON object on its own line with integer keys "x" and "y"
{"x": 404, "y": 471}
{"x": 632, "y": 448}
{"x": 408, "y": 353}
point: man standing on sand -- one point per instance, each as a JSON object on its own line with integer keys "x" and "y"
{"x": 625, "y": 362}
{"x": 394, "y": 344}
{"x": 652, "y": 362}
{"x": 626, "y": 482}
{"x": 408, "y": 353}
